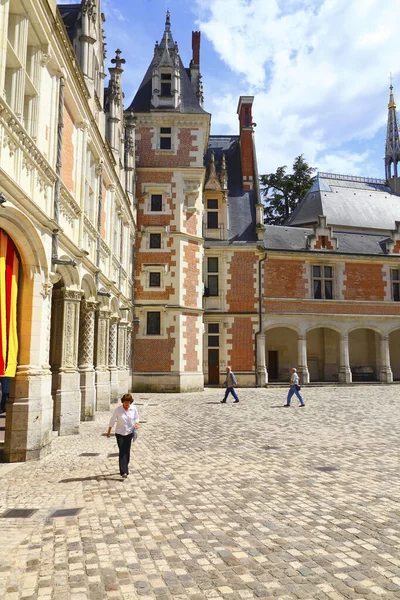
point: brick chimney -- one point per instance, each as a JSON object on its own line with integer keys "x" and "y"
{"x": 196, "y": 48}
{"x": 246, "y": 140}
{"x": 195, "y": 76}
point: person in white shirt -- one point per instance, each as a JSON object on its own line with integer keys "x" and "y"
{"x": 126, "y": 421}
{"x": 294, "y": 389}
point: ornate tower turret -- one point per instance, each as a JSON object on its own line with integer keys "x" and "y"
{"x": 113, "y": 104}
{"x": 166, "y": 79}
{"x": 392, "y": 154}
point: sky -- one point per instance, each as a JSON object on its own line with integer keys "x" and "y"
{"x": 319, "y": 71}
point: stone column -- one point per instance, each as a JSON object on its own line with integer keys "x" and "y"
{"x": 112, "y": 359}
{"x": 345, "y": 375}
{"x": 386, "y": 375}
{"x": 262, "y": 373}
{"x": 102, "y": 349}
{"x": 85, "y": 360}
{"x": 64, "y": 348}
{"x": 302, "y": 367}
{"x": 122, "y": 336}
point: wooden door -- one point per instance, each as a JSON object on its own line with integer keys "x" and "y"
{"x": 273, "y": 367}
{"x": 213, "y": 366}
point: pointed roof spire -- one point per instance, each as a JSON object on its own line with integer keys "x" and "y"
{"x": 167, "y": 39}
{"x": 392, "y": 137}
{"x": 213, "y": 182}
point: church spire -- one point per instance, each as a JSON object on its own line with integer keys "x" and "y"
{"x": 392, "y": 154}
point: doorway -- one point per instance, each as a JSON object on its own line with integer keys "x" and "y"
{"x": 213, "y": 366}
{"x": 273, "y": 367}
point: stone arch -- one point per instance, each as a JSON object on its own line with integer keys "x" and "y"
{"x": 364, "y": 353}
{"x": 323, "y": 353}
{"x": 88, "y": 287}
{"x": 30, "y": 431}
{"x": 319, "y": 326}
{"x": 26, "y": 239}
{"x": 282, "y": 325}
{"x": 280, "y": 350}
{"x": 69, "y": 274}
{"x": 394, "y": 351}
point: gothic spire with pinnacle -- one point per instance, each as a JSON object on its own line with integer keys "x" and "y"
{"x": 392, "y": 154}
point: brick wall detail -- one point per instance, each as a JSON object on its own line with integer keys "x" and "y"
{"x": 155, "y": 355}
{"x": 68, "y": 151}
{"x": 285, "y": 278}
{"x": 191, "y": 337}
{"x": 149, "y": 157}
{"x": 331, "y": 308}
{"x": 242, "y": 353}
{"x": 364, "y": 282}
{"x": 323, "y": 242}
{"x": 191, "y": 274}
{"x": 242, "y": 273}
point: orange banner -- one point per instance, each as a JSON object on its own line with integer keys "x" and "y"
{"x": 9, "y": 267}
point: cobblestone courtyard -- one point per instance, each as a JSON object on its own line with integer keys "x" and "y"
{"x": 224, "y": 501}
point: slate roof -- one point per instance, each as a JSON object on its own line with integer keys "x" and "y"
{"x": 71, "y": 16}
{"x": 293, "y": 239}
{"x": 348, "y": 201}
{"x": 242, "y": 212}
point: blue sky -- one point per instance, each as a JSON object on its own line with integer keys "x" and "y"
{"x": 319, "y": 70}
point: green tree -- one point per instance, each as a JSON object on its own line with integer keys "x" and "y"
{"x": 282, "y": 191}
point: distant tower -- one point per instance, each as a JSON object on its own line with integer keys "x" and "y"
{"x": 392, "y": 154}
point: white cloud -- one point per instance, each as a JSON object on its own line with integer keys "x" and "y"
{"x": 318, "y": 69}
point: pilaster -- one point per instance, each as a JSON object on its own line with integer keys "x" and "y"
{"x": 345, "y": 375}
{"x": 85, "y": 359}
{"x": 302, "y": 367}
{"x": 102, "y": 349}
{"x": 386, "y": 375}
{"x": 112, "y": 359}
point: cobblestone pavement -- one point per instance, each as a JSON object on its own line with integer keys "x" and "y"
{"x": 231, "y": 502}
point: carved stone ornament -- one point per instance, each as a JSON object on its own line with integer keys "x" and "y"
{"x": 45, "y": 57}
{"x": 47, "y": 286}
{"x": 73, "y": 295}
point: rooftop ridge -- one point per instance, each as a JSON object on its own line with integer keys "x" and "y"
{"x": 352, "y": 178}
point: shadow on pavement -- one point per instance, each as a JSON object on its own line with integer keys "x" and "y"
{"x": 116, "y": 477}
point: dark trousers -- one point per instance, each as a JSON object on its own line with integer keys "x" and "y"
{"x": 4, "y": 398}
{"x": 230, "y": 390}
{"x": 124, "y": 444}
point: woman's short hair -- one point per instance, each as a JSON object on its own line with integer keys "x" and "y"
{"x": 127, "y": 398}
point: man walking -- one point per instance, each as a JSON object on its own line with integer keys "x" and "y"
{"x": 294, "y": 389}
{"x": 230, "y": 383}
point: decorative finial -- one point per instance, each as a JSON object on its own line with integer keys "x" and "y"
{"x": 118, "y": 61}
{"x": 168, "y": 20}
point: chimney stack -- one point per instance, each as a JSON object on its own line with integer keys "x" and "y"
{"x": 244, "y": 112}
{"x": 195, "y": 49}
{"x": 195, "y": 76}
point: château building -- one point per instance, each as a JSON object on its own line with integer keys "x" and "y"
{"x": 67, "y": 222}
{"x": 133, "y": 249}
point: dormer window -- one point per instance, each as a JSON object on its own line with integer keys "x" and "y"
{"x": 212, "y": 214}
{"x": 166, "y": 88}
{"x": 165, "y": 138}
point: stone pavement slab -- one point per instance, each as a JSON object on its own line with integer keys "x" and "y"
{"x": 223, "y": 502}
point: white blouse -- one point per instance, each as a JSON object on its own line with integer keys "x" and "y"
{"x": 124, "y": 419}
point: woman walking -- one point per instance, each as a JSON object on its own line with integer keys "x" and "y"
{"x": 294, "y": 389}
{"x": 126, "y": 421}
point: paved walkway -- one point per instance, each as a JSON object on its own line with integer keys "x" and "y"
{"x": 223, "y": 502}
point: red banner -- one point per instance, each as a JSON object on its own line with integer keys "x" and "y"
{"x": 9, "y": 267}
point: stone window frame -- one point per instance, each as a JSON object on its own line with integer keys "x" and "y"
{"x": 145, "y": 276}
{"x": 164, "y": 190}
{"x": 395, "y": 291}
{"x": 142, "y": 333}
{"x": 322, "y": 265}
{"x": 213, "y": 274}
{"x": 214, "y": 334}
{"x": 212, "y": 211}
